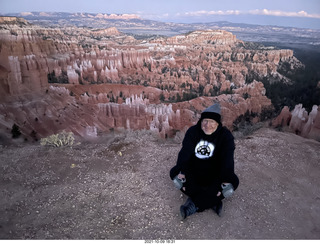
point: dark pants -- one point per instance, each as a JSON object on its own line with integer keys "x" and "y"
{"x": 204, "y": 196}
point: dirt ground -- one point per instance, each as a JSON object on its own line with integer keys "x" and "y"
{"x": 118, "y": 187}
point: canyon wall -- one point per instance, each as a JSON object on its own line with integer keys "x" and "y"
{"x": 299, "y": 121}
{"x": 95, "y": 80}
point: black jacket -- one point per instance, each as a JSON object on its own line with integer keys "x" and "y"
{"x": 207, "y": 160}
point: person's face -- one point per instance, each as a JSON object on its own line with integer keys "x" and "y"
{"x": 209, "y": 126}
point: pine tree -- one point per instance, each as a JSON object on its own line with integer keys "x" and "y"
{"x": 15, "y": 131}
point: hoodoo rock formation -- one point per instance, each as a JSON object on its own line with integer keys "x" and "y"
{"x": 90, "y": 81}
{"x": 300, "y": 122}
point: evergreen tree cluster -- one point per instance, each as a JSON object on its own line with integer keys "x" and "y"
{"x": 304, "y": 88}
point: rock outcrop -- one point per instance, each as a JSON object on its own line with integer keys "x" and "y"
{"x": 90, "y": 80}
{"x": 300, "y": 122}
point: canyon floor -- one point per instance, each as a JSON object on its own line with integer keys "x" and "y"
{"x": 118, "y": 187}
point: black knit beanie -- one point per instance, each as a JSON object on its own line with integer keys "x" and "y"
{"x": 212, "y": 112}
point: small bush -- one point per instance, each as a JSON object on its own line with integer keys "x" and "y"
{"x": 58, "y": 140}
{"x": 15, "y": 131}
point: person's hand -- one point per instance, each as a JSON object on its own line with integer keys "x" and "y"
{"x": 181, "y": 176}
{"x": 219, "y": 193}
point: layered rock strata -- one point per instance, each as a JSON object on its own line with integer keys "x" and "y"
{"x": 89, "y": 81}
{"x": 43, "y": 114}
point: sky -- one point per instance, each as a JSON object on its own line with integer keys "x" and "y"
{"x": 296, "y": 13}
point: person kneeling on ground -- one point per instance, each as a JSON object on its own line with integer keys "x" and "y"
{"x": 205, "y": 165}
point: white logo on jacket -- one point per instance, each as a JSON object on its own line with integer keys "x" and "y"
{"x": 204, "y": 149}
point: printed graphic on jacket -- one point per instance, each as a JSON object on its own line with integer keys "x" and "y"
{"x": 204, "y": 149}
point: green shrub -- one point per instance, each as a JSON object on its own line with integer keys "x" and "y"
{"x": 58, "y": 140}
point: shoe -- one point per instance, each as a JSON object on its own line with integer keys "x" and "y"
{"x": 187, "y": 209}
{"x": 218, "y": 209}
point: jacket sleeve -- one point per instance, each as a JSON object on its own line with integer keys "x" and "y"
{"x": 227, "y": 160}
{"x": 185, "y": 153}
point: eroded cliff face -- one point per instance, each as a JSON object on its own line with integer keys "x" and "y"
{"x": 299, "y": 121}
{"x": 90, "y": 81}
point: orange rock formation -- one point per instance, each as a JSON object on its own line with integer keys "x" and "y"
{"x": 90, "y": 81}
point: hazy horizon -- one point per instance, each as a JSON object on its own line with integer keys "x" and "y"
{"x": 294, "y": 13}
